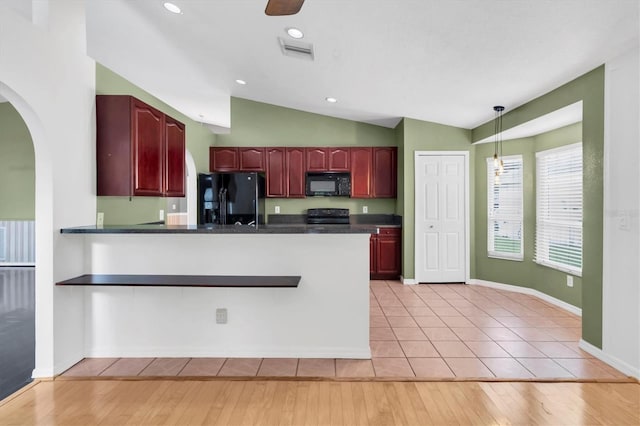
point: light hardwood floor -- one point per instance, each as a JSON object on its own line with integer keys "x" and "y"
{"x": 184, "y": 402}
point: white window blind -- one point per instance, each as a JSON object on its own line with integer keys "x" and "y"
{"x": 504, "y": 203}
{"x": 559, "y": 208}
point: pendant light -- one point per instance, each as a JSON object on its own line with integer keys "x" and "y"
{"x": 498, "y": 164}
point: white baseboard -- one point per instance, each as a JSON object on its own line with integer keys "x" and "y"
{"x": 616, "y": 363}
{"x": 530, "y": 291}
{"x": 408, "y": 281}
{"x": 255, "y": 352}
{"x": 42, "y": 373}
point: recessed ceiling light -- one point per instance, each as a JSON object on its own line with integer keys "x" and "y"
{"x": 172, "y": 7}
{"x": 241, "y": 82}
{"x": 295, "y": 33}
{"x": 331, "y": 100}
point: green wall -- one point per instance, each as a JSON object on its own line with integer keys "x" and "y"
{"x": 125, "y": 210}
{"x": 259, "y": 124}
{"x": 426, "y": 136}
{"x": 17, "y": 167}
{"x": 524, "y": 273}
{"x": 589, "y": 89}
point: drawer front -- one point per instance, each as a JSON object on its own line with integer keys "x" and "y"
{"x": 388, "y": 231}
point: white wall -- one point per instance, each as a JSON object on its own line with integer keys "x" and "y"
{"x": 326, "y": 316}
{"x": 621, "y": 275}
{"x": 46, "y": 75}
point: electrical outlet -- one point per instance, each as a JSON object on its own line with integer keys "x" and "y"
{"x": 161, "y": 215}
{"x": 569, "y": 281}
{"x": 221, "y": 316}
{"x": 365, "y": 209}
{"x": 173, "y": 206}
{"x": 100, "y": 219}
{"x": 277, "y": 209}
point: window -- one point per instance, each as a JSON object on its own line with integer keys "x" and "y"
{"x": 504, "y": 203}
{"x": 559, "y": 208}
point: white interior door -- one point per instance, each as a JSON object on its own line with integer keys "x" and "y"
{"x": 441, "y": 240}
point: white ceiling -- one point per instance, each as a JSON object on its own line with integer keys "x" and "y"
{"x": 442, "y": 61}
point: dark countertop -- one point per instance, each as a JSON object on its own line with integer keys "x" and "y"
{"x": 223, "y": 229}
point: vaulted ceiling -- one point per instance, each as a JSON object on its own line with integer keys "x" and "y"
{"x": 442, "y": 61}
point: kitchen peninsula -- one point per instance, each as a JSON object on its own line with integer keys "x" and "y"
{"x": 325, "y": 316}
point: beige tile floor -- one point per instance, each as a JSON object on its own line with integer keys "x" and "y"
{"x": 425, "y": 331}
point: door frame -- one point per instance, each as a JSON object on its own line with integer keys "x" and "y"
{"x": 467, "y": 215}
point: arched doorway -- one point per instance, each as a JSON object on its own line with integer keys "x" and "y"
{"x": 17, "y": 251}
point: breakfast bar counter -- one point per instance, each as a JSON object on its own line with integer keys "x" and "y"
{"x": 224, "y": 229}
{"x": 326, "y": 315}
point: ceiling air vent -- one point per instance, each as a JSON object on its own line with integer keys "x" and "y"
{"x": 296, "y": 49}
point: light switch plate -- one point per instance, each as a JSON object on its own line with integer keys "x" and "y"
{"x": 277, "y": 209}
{"x": 100, "y": 220}
{"x": 161, "y": 215}
{"x": 365, "y": 209}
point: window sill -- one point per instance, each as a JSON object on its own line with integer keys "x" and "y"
{"x": 574, "y": 272}
{"x": 503, "y": 257}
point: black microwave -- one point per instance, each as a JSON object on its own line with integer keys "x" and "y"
{"x": 328, "y": 184}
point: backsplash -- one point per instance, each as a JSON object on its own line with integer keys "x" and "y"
{"x": 360, "y": 219}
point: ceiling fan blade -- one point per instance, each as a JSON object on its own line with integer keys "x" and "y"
{"x": 283, "y": 7}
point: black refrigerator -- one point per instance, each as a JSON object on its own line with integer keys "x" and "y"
{"x": 231, "y": 198}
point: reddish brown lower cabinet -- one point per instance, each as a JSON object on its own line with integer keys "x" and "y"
{"x": 385, "y": 254}
{"x": 140, "y": 151}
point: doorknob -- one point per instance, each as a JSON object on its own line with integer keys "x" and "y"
{"x": 430, "y": 226}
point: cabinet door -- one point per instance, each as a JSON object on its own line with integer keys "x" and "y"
{"x": 251, "y": 159}
{"x": 372, "y": 254}
{"x": 317, "y": 159}
{"x": 276, "y": 173}
{"x": 339, "y": 159}
{"x": 388, "y": 255}
{"x": 174, "y": 160}
{"x": 148, "y": 149}
{"x": 384, "y": 172}
{"x": 361, "y": 162}
{"x": 223, "y": 159}
{"x": 113, "y": 145}
{"x": 296, "y": 173}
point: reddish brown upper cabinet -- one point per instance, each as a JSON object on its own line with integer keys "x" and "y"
{"x": 224, "y": 159}
{"x": 339, "y": 159}
{"x": 361, "y": 164}
{"x": 285, "y": 172}
{"x": 276, "y": 172}
{"x": 296, "y": 173}
{"x": 317, "y": 159}
{"x": 327, "y": 159}
{"x": 174, "y": 176}
{"x": 251, "y": 159}
{"x": 385, "y": 252}
{"x": 139, "y": 150}
{"x": 384, "y": 183}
